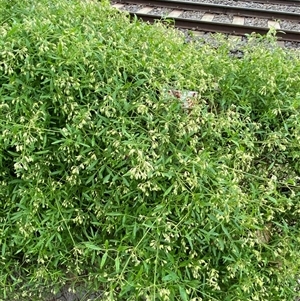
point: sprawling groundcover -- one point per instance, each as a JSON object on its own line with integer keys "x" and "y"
{"x": 108, "y": 181}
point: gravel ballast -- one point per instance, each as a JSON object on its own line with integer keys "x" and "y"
{"x": 160, "y": 11}
{"x": 289, "y": 25}
{"x": 222, "y": 18}
{"x": 256, "y": 22}
{"x": 132, "y": 7}
{"x": 192, "y": 14}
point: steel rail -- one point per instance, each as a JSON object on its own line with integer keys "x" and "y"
{"x": 218, "y": 9}
{"x": 287, "y": 35}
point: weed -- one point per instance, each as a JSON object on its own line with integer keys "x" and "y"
{"x": 107, "y": 181}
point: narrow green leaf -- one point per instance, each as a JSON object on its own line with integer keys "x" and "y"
{"x": 106, "y": 179}
{"x": 3, "y": 249}
{"x": 103, "y": 260}
{"x": 183, "y": 294}
{"x": 168, "y": 190}
{"x": 225, "y": 231}
{"x": 92, "y": 246}
{"x": 117, "y": 264}
{"x": 170, "y": 277}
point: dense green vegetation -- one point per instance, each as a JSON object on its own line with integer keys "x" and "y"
{"x": 109, "y": 181}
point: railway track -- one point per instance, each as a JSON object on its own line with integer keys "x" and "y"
{"x": 209, "y": 11}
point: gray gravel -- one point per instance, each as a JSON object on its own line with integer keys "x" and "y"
{"x": 223, "y": 18}
{"x": 256, "y": 22}
{"x": 132, "y": 7}
{"x": 292, "y": 45}
{"x": 289, "y": 25}
{"x": 160, "y": 11}
{"x": 286, "y": 8}
{"x": 192, "y": 14}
